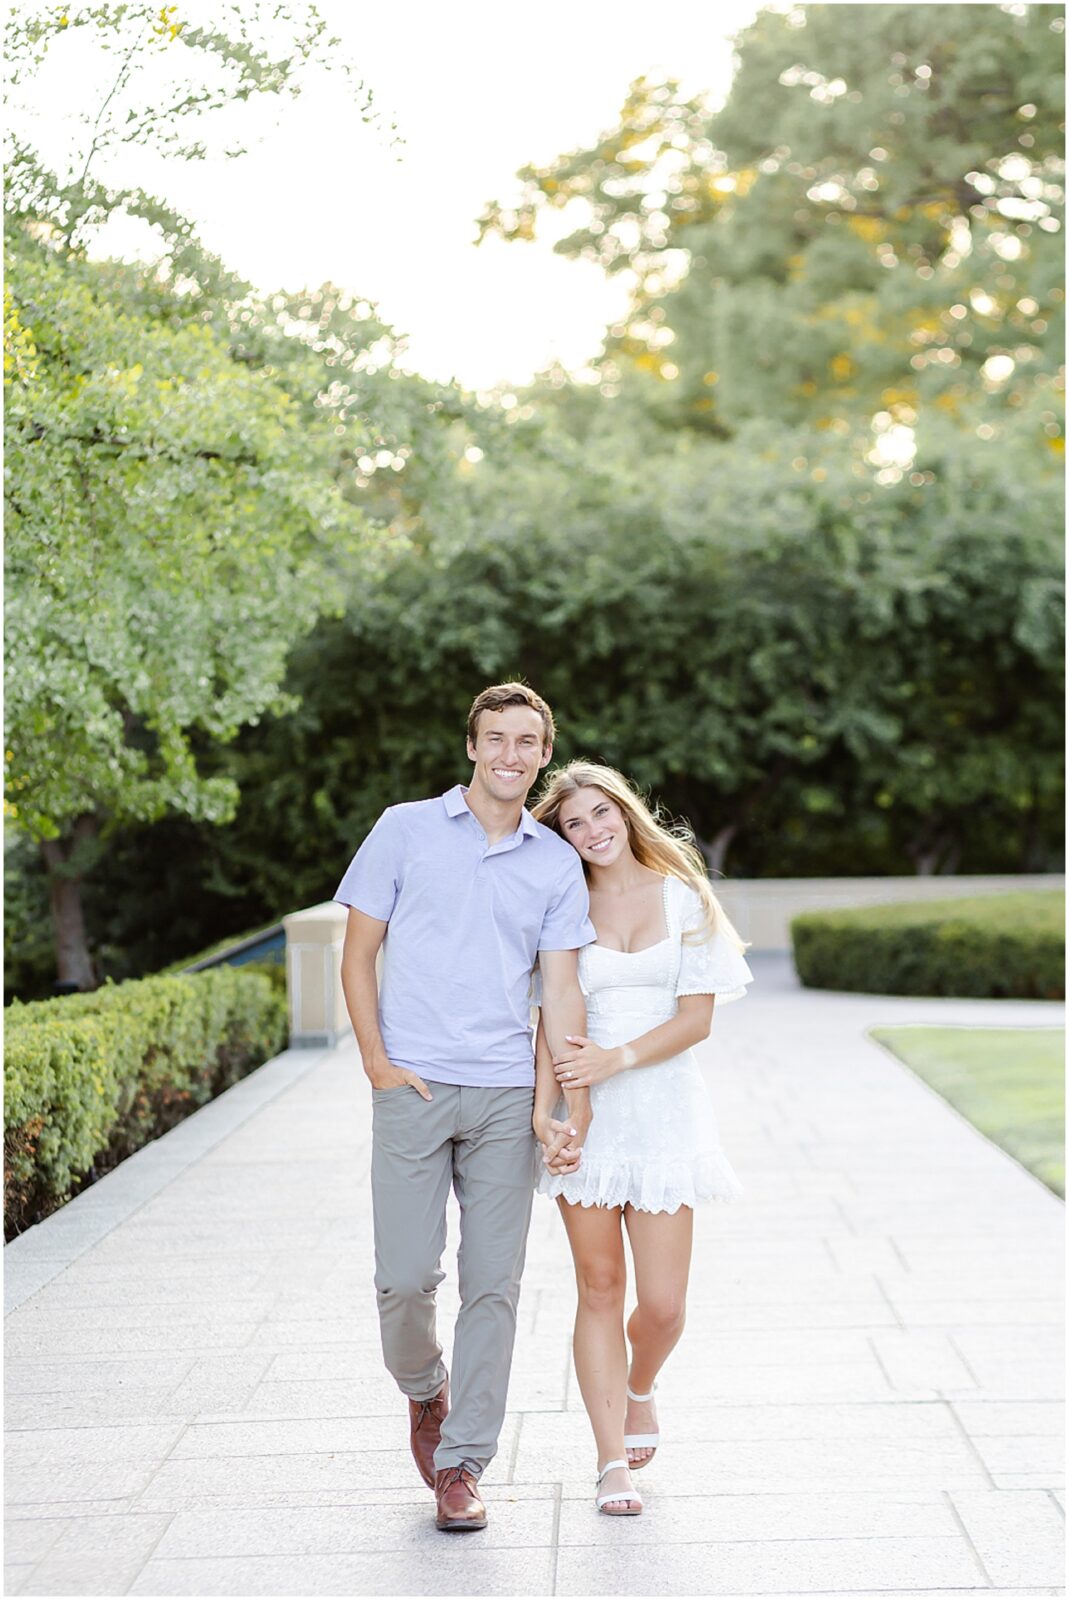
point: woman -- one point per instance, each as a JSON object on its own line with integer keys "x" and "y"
{"x": 664, "y": 949}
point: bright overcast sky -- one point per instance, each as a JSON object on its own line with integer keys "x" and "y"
{"x": 477, "y": 89}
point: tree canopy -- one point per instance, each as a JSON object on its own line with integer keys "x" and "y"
{"x": 177, "y": 512}
{"x": 869, "y": 226}
{"x": 793, "y": 561}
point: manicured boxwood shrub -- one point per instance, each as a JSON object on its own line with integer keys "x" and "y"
{"x": 273, "y": 971}
{"x": 90, "y": 1078}
{"x": 999, "y": 946}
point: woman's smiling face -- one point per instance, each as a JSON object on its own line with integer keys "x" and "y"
{"x": 594, "y": 825}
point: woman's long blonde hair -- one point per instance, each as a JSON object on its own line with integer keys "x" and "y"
{"x": 667, "y": 848}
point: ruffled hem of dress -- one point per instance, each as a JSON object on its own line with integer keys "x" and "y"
{"x": 651, "y": 1187}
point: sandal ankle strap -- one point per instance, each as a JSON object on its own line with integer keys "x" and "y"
{"x": 631, "y": 1395}
{"x": 609, "y": 1465}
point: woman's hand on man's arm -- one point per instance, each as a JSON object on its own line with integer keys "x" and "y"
{"x": 583, "y": 1063}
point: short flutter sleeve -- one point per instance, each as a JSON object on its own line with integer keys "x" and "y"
{"x": 707, "y": 966}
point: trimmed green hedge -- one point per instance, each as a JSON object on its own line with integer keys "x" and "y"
{"x": 90, "y": 1078}
{"x": 999, "y": 946}
{"x": 273, "y": 971}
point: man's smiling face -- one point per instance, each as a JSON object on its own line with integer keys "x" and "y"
{"x": 508, "y": 752}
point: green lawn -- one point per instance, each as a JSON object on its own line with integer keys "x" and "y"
{"x": 1009, "y": 1082}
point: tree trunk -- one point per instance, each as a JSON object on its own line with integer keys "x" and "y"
{"x": 952, "y": 859}
{"x": 1032, "y": 844}
{"x": 930, "y": 848}
{"x": 715, "y": 849}
{"x": 74, "y": 964}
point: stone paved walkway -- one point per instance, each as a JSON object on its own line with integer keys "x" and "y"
{"x": 865, "y": 1400}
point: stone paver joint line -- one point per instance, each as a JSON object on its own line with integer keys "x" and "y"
{"x": 863, "y": 1402}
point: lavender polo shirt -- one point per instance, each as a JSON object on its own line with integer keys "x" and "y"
{"x": 467, "y": 920}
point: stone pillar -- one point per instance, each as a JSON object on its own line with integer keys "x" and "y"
{"x": 314, "y": 938}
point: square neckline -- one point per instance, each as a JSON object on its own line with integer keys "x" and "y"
{"x": 612, "y": 950}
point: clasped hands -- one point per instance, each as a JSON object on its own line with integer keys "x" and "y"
{"x": 561, "y": 1143}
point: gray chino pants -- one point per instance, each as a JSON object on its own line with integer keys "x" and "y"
{"x": 480, "y": 1142}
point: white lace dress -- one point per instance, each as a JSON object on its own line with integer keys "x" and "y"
{"x": 653, "y": 1143}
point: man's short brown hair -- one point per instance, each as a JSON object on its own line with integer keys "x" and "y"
{"x": 500, "y": 695}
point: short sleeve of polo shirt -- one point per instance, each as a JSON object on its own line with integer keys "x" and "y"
{"x": 566, "y": 924}
{"x": 373, "y": 876}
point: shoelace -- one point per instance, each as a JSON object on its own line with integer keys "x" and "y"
{"x": 455, "y": 1475}
{"x": 425, "y": 1411}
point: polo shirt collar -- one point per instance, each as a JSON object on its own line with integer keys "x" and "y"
{"x": 456, "y": 805}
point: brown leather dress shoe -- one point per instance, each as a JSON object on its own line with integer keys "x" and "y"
{"x": 425, "y": 1418}
{"x": 460, "y": 1508}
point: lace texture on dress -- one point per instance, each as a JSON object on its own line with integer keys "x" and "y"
{"x": 654, "y": 1142}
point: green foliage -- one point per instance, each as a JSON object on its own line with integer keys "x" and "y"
{"x": 1008, "y": 946}
{"x": 827, "y": 663}
{"x": 161, "y": 79}
{"x": 274, "y": 972}
{"x": 872, "y": 214}
{"x": 821, "y": 678}
{"x": 170, "y": 516}
{"x": 178, "y": 453}
{"x": 730, "y": 631}
{"x": 29, "y": 946}
{"x": 88, "y": 1079}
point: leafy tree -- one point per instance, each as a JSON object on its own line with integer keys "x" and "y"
{"x": 175, "y": 515}
{"x": 826, "y": 662}
{"x": 872, "y": 216}
{"x": 822, "y": 677}
{"x": 170, "y": 524}
{"x": 169, "y": 77}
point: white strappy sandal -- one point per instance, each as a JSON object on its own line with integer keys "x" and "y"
{"x": 641, "y": 1441}
{"x": 604, "y": 1500}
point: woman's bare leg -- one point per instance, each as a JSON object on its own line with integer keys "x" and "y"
{"x": 661, "y": 1247}
{"x": 596, "y": 1238}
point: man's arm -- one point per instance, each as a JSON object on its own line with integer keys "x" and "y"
{"x": 564, "y": 1012}
{"x": 359, "y": 981}
{"x": 559, "y": 1140}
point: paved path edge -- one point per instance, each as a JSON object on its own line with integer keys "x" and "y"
{"x": 37, "y": 1256}
{"x": 986, "y": 1137}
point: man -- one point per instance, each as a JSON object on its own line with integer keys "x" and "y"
{"x": 466, "y": 890}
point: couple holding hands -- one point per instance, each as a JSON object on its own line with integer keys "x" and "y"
{"x": 591, "y": 907}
